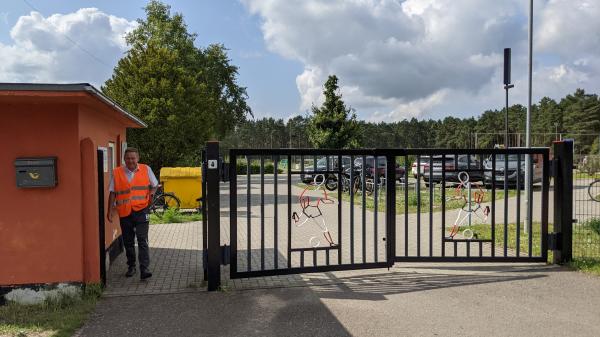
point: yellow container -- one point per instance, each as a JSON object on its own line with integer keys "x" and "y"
{"x": 184, "y": 182}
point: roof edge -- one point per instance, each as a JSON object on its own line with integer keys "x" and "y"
{"x": 71, "y": 87}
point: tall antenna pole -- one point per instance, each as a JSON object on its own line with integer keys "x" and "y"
{"x": 528, "y": 125}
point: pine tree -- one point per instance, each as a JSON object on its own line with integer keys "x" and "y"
{"x": 333, "y": 125}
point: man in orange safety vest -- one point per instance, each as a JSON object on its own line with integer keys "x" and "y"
{"x": 131, "y": 190}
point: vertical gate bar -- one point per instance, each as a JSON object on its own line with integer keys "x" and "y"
{"x": 468, "y": 248}
{"x": 419, "y": 209}
{"x": 443, "y": 207}
{"x": 530, "y": 207}
{"x": 493, "y": 253}
{"x": 233, "y": 231}
{"x": 314, "y": 257}
{"x": 204, "y": 214}
{"x": 406, "y": 201}
{"x": 248, "y": 212}
{"x": 262, "y": 212}
{"x": 214, "y": 222}
{"x": 275, "y": 224}
{"x": 340, "y": 188}
{"x": 518, "y": 205}
{"x": 301, "y": 259}
{"x": 352, "y": 210}
{"x": 364, "y": 208}
{"x": 289, "y": 206}
{"x": 327, "y": 256}
{"x": 506, "y": 203}
{"x": 390, "y": 182}
{"x": 455, "y": 248}
{"x": 545, "y": 201}
{"x": 480, "y": 249}
{"x": 431, "y": 196}
{"x": 375, "y": 204}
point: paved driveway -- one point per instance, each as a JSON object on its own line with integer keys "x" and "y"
{"x": 407, "y": 300}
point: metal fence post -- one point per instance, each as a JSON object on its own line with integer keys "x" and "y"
{"x": 563, "y": 200}
{"x": 213, "y": 215}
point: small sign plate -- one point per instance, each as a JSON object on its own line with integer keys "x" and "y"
{"x": 212, "y": 164}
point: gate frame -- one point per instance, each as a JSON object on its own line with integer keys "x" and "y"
{"x": 214, "y": 250}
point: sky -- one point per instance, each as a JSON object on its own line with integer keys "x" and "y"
{"x": 394, "y": 59}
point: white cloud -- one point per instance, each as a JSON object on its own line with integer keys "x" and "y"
{"x": 399, "y": 59}
{"x": 82, "y": 46}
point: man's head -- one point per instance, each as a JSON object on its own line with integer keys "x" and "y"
{"x": 131, "y": 157}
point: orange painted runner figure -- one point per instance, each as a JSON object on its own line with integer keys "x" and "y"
{"x": 311, "y": 210}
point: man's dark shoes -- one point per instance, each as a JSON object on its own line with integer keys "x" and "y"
{"x": 145, "y": 274}
{"x": 130, "y": 271}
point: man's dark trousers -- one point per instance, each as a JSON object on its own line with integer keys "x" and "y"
{"x": 136, "y": 224}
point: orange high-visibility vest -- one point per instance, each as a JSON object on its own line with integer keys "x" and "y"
{"x": 134, "y": 195}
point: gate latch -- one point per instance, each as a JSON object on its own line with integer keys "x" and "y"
{"x": 554, "y": 240}
{"x": 225, "y": 254}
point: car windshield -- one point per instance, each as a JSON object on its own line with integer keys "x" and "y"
{"x": 380, "y": 161}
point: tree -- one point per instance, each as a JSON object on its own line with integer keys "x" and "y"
{"x": 333, "y": 125}
{"x": 185, "y": 94}
{"x": 582, "y": 116}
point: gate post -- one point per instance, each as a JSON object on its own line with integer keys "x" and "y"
{"x": 213, "y": 215}
{"x": 563, "y": 200}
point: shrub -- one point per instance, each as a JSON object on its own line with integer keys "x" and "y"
{"x": 594, "y": 225}
{"x": 242, "y": 168}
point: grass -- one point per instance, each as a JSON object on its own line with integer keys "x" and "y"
{"x": 585, "y": 175}
{"x": 57, "y": 318}
{"x": 484, "y": 231}
{"x": 453, "y": 201}
{"x": 174, "y": 216}
{"x": 586, "y": 265}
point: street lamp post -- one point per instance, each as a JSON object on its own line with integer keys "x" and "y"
{"x": 507, "y": 86}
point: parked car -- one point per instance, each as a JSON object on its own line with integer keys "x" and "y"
{"x": 322, "y": 167}
{"x": 424, "y": 162}
{"x": 453, "y": 166}
{"x": 513, "y": 163}
{"x": 381, "y": 167}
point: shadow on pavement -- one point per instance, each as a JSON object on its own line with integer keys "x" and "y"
{"x": 375, "y": 287}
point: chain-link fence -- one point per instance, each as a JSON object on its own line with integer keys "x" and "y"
{"x": 586, "y": 208}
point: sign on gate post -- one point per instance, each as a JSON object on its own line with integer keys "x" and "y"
{"x": 563, "y": 200}
{"x": 212, "y": 214}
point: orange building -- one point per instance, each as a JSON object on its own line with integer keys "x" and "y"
{"x": 50, "y": 135}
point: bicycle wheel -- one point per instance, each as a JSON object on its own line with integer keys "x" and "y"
{"x": 331, "y": 183}
{"x": 164, "y": 202}
{"x": 594, "y": 190}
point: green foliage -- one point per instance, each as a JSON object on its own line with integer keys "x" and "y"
{"x": 242, "y": 168}
{"x": 333, "y": 125}
{"x": 185, "y": 94}
{"x": 593, "y": 224}
{"x": 172, "y": 215}
{"x": 58, "y": 317}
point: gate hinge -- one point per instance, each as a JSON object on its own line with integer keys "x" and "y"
{"x": 225, "y": 255}
{"x": 554, "y": 241}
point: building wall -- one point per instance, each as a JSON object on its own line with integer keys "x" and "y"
{"x": 40, "y": 229}
{"x": 103, "y": 128}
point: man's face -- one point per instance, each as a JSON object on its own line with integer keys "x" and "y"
{"x": 131, "y": 160}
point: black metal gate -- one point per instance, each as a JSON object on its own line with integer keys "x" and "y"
{"x": 303, "y": 210}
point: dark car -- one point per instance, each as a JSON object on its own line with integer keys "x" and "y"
{"x": 381, "y": 167}
{"x": 511, "y": 172}
{"x": 454, "y": 165}
{"x": 322, "y": 167}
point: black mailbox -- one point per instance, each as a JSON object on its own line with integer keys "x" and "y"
{"x": 36, "y": 172}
